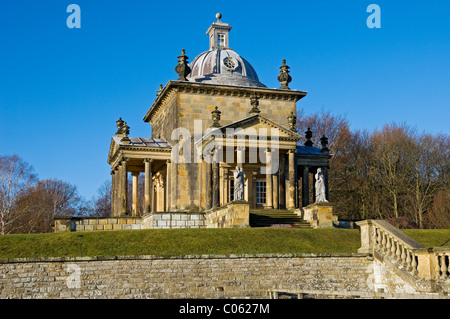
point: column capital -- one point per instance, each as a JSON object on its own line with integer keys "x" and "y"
{"x": 125, "y": 159}
{"x": 135, "y": 173}
{"x": 293, "y": 150}
{"x": 148, "y": 160}
{"x": 113, "y": 171}
{"x": 168, "y": 161}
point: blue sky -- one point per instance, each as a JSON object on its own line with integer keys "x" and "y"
{"x": 61, "y": 89}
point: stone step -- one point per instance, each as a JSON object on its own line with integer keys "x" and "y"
{"x": 276, "y": 218}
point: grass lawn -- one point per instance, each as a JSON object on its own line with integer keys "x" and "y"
{"x": 430, "y": 237}
{"x": 166, "y": 242}
{"x": 181, "y": 242}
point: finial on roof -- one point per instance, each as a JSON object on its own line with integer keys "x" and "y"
{"x": 308, "y": 135}
{"x": 125, "y": 131}
{"x": 215, "y": 115}
{"x": 119, "y": 124}
{"x": 182, "y": 68}
{"x": 218, "y": 17}
{"x": 324, "y": 142}
{"x": 254, "y": 102}
{"x": 158, "y": 92}
{"x": 292, "y": 120}
{"x": 284, "y": 78}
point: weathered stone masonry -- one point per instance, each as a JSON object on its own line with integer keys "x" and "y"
{"x": 231, "y": 276}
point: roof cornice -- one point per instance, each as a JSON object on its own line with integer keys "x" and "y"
{"x": 219, "y": 89}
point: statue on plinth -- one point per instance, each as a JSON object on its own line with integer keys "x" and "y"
{"x": 320, "y": 187}
{"x": 238, "y": 184}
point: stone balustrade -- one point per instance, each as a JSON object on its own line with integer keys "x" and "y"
{"x": 425, "y": 263}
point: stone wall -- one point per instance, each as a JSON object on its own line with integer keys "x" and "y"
{"x": 174, "y": 220}
{"x": 231, "y": 276}
{"x": 234, "y": 214}
{"x": 100, "y": 223}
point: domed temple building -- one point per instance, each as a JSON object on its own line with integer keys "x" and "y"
{"x": 224, "y": 151}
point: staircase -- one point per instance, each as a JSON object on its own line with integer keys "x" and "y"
{"x": 276, "y": 218}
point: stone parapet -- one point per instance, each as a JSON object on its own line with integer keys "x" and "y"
{"x": 174, "y": 220}
{"x": 199, "y": 276}
{"x": 96, "y": 223}
{"x": 233, "y": 214}
{"x": 318, "y": 215}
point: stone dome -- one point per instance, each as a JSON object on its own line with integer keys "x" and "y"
{"x": 223, "y": 66}
{"x": 220, "y": 64}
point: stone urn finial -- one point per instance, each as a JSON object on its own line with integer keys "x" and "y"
{"x": 308, "y": 135}
{"x": 254, "y": 102}
{"x": 292, "y": 120}
{"x": 125, "y": 131}
{"x": 324, "y": 142}
{"x": 158, "y": 92}
{"x": 284, "y": 78}
{"x": 182, "y": 68}
{"x": 215, "y": 115}
{"x": 119, "y": 124}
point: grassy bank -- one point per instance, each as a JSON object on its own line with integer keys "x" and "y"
{"x": 197, "y": 242}
{"x": 430, "y": 237}
{"x": 181, "y": 242}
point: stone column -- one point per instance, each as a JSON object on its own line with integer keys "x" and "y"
{"x": 305, "y": 186}
{"x": 253, "y": 202}
{"x": 269, "y": 180}
{"x": 291, "y": 186}
{"x": 168, "y": 184}
{"x": 215, "y": 179}
{"x": 325, "y": 177}
{"x": 116, "y": 199}
{"x": 124, "y": 187}
{"x": 148, "y": 187}
{"x": 226, "y": 187}
{"x": 208, "y": 185}
{"x": 241, "y": 156}
{"x": 113, "y": 195}
{"x": 135, "y": 206}
{"x": 173, "y": 186}
{"x": 249, "y": 175}
{"x": 282, "y": 183}
{"x": 275, "y": 186}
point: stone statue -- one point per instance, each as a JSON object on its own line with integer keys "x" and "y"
{"x": 320, "y": 187}
{"x": 238, "y": 184}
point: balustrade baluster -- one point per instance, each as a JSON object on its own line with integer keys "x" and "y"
{"x": 379, "y": 245}
{"x": 443, "y": 266}
{"x": 388, "y": 244}
{"x": 398, "y": 253}
{"x": 383, "y": 242}
{"x": 403, "y": 255}
{"x": 414, "y": 263}
{"x": 408, "y": 260}
{"x": 437, "y": 268}
{"x": 393, "y": 247}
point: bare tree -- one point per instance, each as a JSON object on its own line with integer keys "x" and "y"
{"x": 426, "y": 178}
{"x": 44, "y": 201}
{"x": 439, "y": 215}
{"x": 393, "y": 149}
{"x": 102, "y": 202}
{"x": 16, "y": 176}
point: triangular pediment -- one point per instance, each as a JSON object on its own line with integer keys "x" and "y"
{"x": 255, "y": 126}
{"x": 113, "y": 147}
